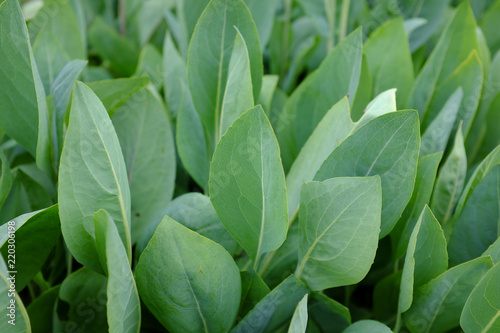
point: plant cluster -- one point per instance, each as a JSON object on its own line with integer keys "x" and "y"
{"x": 250, "y": 166}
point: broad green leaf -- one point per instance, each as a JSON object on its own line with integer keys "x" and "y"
{"x": 339, "y": 220}
{"x": 437, "y": 305}
{"x": 481, "y": 312}
{"x": 238, "y": 96}
{"x": 299, "y": 319}
{"x": 263, "y": 13}
{"x": 435, "y": 137}
{"x": 92, "y": 175}
{"x": 489, "y": 27}
{"x": 328, "y": 314}
{"x": 469, "y": 76}
{"x": 477, "y": 226}
{"x": 111, "y": 46}
{"x": 450, "y": 180}
{"x": 454, "y": 46}
{"x": 14, "y": 316}
{"x": 384, "y": 103}
{"x": 151, "y": 65}
{"x": 253, "y": 289}
{"x": 174, "y": 78}
{"x": 247, "y": 184}
{"x": 147, "y": 143}
{"x": 195, "y": 211}
{"x": 207, "y": 76}
{"x": 123, "y": 306}
{"x": 88, "y": 288}
{"x": 393, "y": 156}
{"x": 61, "y": 18}
{"x": 371, "y": 326}
{"x": 424, "y": 183}
{"x": 426, "y": 257}
{"x": 50, "y": 57}
{"x": 335, "y": 126}
{"x": 41, "y": 309}
{"x": 34, "y": 240}
{"x": 274, "y": 309}
{"x": 23, "y": 114}
{"x": 269, "y": 85}
{"x": 114, "y": 93}
{"x": 61, "y": 93}
{"x": 190, "y": 137}
{"x": 382, "y": 64}
{"x": 6, "y": 178}
{"x": 493, "y": 251}
{"x": 430, "y": 10}
{"x": 337, "y": 77}
{"x": 187, "y": 281}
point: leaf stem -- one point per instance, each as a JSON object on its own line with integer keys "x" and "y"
{"x": 331, "y": 13}
{"x": 344, "y": 15}
{"x": 122, "y": 17}
{"x": 397, "y": 326}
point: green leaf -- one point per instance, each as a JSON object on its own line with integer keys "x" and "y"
{"x": 238, "y": 96}
{"x": 123, "y": 306}
{"x": 493, "y": 251}
{"x": 337, "y": 76}
{"x": 383, "y": 103}
{"x": 111, "y": 46}
{"x": 469, "y": 76}
{"x": 328, "y": 314}
{"x": 247, "y": 184}
{"x": 299, "y": 319}
{"x": 14, "y": 316}
{"x": 435, "y": 137}
{"x": 192, "y": 145}
{"x": 23, "y": 114}
{"x": 339, "y": 220}
{"x": 6, "y": 178}
{"x": 477, "y": 226}
{"x": 386, "y": 296}
{"x": 481, "y": 313}
{"x": 454, "y": 46}
{"x": 382, "y": 64}
{"x": 34, "y": 240}
{"x": 393, "y": 156}
{"x": 335, "y": 126}
{"x": 263, "y": 13}
{"x": 114, "y": 93}
{"x": 151, "y": 65}
{"x": 371, "y": 326}
{"x": 450, "y": 180}
{"x": 195, "y": 211}
{"x": 424, "y": 183}
{"x": 41, "y": 309}
{"x": 426, "y": 257}
{"x": 174, "y": 78}
{"x": 269, "y": 85}
{"x": 437, "y": 305}
{"x": 489, "y": 27}
{"x": 214, "y": 33}
{"x": 147, "y": 143}
{"x": 61, "y": 93}
{"x": 187, "y": 281}
{"x": 92, "y": 175}
{"x": 84, "y": 291}
{"x": 253, "y": 289}
{"x": 274, "y": 309}
{"x": 144, "y": 17}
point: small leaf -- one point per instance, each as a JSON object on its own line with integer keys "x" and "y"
{"x": 426, "y": 257}
{"x": 384, "y": 103}
{"x": 328, "y": 314}
{"x": 371, "y": 326}
{"x": 151, "y": 65}
{"x": 123, "y": 306}
{"x": 174, "y": 77}
{"x": 41, "y": 309}
{"x": 437, "y": 305}
{"x": 247, "y": 184}
{"x": 481, "y": 312}
{"x": 450, "y": 180}
{"x": 299, "y": 319}
{"x": 393, "y": 156}
{"x": 253, "y": 289}
{"x": 92, "y": 175}
{"x": 188, "y": 282}
{"x": 339, "y": 220}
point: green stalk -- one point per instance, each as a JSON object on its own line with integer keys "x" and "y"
{"x": 344, "y": 15}
{"x": 331, "y": 13}
{"x": 284, "y": 46}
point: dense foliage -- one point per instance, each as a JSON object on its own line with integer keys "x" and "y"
{"x": 250, "y": 166}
